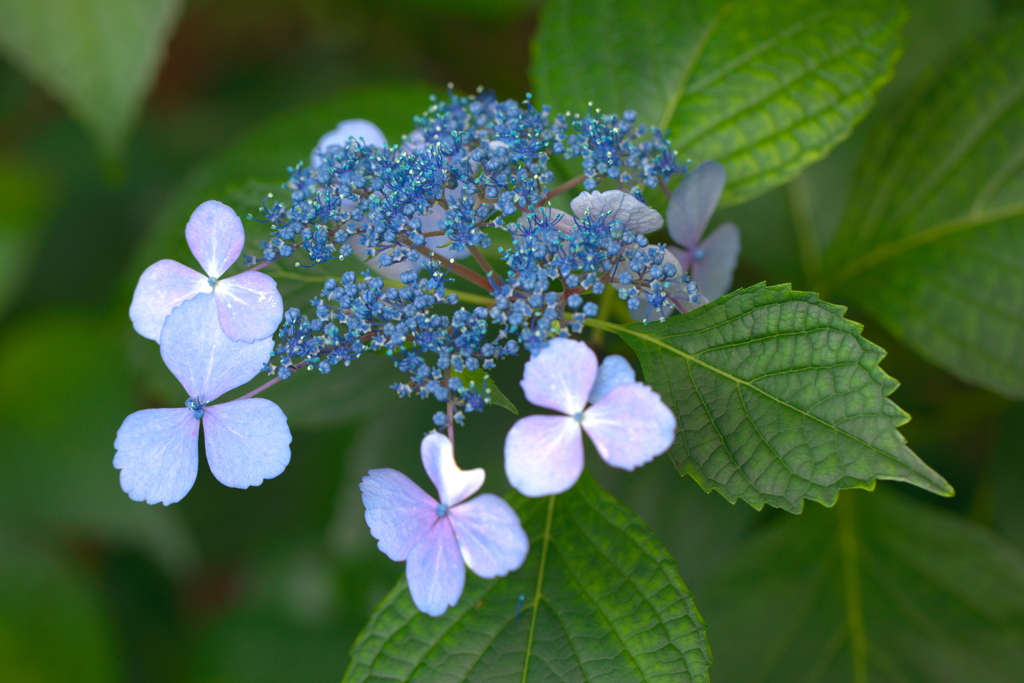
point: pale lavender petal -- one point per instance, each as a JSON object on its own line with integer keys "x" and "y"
{"x": 621, "y": 206}
{"x": 398, "y": 512}
{"x": 246, "y": 441}
{"x": 249, "y": 306}
{"x": 162, "y": 286}
{"x": 693, "y": 202}
{"x": 349, "y": 129}
{"x": 614, "y": 371}
{"x": 490, "y": 535}
{"x": 560, "y": 376}
{"x": 215, "y": 235}
{"x": 683, "y": 256}
{"x": 543, "y": 455}
{"x": 630, "y": 426}
{"x": 201, "y": 356}
{"x": 158, "y": 454}
{"x": 454, "y": 484}
{"x": 435, "y": 570}
{"x": 715, "y": 261}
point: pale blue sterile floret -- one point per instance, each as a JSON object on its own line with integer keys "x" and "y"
{"x": 627, "y": 421}
{"x": 247, "y": 440}
{"x": 472, "y": 168}
{"x": 438, "y": 540}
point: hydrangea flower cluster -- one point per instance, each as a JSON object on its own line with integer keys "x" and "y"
{"x": 474, "y": 171}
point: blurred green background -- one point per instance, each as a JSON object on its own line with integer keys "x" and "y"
{"x": 137, "y": 111}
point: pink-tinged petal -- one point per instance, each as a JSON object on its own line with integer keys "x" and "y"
{"x": 630, "y": 426}
{"x": 215, "y": 235}
{"x": 490, "y": 536}
{"x": 614, "y": 371}
{"x": 249, "y": 306}
{"x": 158, "y": 454}
{"x": 543, "y": 455}
{"x": 435, "y": 570}
{"x": 201, "y": 356}
{"x": 246, "y": 441}
{"x": 398, "y": 512}
{"x": 693, "y": 202}
{"x": 718, "y": 254}
{"x": 621, "y": 206}
{"x": 349, "y": 129}
{"x": 454, "y": 484}
{"x": 560, "y": 376}
{"x": 162, "y": 286}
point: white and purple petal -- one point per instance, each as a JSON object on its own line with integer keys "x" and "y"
{"x": 630, "y": 426}
{"x": 398, "y": 512}
{"x": 201, "y": 356}
{"x": 249, "y": 306}
{"x": 560, "y": 376}
{"x": 543, "y": 455}
{"x": 158, "y": 454}
{"x": 215, "y": 235}
{"x": 435, "y": 570}
{"x": 162, "y": 287}
{"x": 490, "y": 535}
{"x": 613, "y": 371}
{"x": 454, "y": 484}
{"x": 247, "y": 441}
{"x": 620, "y": 206}
{"x": 693, "y": 202}
{"x": 349, "y": 129}
{"x": 714, "y": 261}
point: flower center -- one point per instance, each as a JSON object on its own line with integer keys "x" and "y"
{"x": 442, "y": 510}
{"x": 578, "y": 416}
{"x": 212, "y": 281}
{"x": 196, "y": 406}
{"x": 698, "y": 254}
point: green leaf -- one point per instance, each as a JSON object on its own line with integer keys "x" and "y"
{"x": 24, "y": 196}
{"x": 933, "y": 241}
{"x": 491, "y": 391}
{"x": 779, "y": 399}
{"x": 766, "y": 88}
{"x": 602, "y": 601}
{"x": 97, "y": 57}
{"x": 879, "y": 589}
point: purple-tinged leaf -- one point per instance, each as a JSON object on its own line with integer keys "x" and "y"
{"x": 490, "y": 536}
{"x": 614, "y": 371}
{"x": 398, "y": 512}
{"x": 249, "y": 306}
{"x": 158, "y": 454}
{"x": 693, "y": 202}
{"x": 246, "y": 441}
{"x": 215, "y": 235}
{"x": 630, "y": 426}
{"x": 714, "y": 261}
{"x": 625, "y": 208}
{"x": 454, "y": 484}
{"x": 200, "y": 355}
{"x": 560, "y": 376}
{"x": 162, "y": 286}
{"x": 543, "y": 455}
{"x": 435, "y": 570}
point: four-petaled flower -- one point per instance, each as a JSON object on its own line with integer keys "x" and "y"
{"x": 249, "y": 306}
{"x": 627, "y": 420}
{"x": 438, "y": 540}
{"x": 711, "y": 262}
{"x": 247, "y": 440}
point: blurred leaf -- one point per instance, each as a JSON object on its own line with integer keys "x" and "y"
{"x": 1007, "y": 476}
{"x": 62, "y": 398}
{"x": 23, "y": 194}
{"x": 879, "y": 589}
{"x": 933, "y": 240}
{"x": 779, "y": 399}
{"x": 491, "y": 390}
{"x": 766, "y": 88}
{"x": 52, "y": 625}
{"x": 611, "y": 608}
{"x": 97, "y": 57}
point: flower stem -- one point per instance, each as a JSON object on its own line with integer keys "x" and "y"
{"x": 566, "y": 186}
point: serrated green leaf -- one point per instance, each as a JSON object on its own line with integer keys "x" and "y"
{"x": 97, "y": 57}
{"x": 766, "y": 88}
{"x": 491, "y": 391}
{"x": 879, "y": 589}
{"x": 779, "y": 399}
{"x": 933, "y": 240}
{"x": 602, "y": 602}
